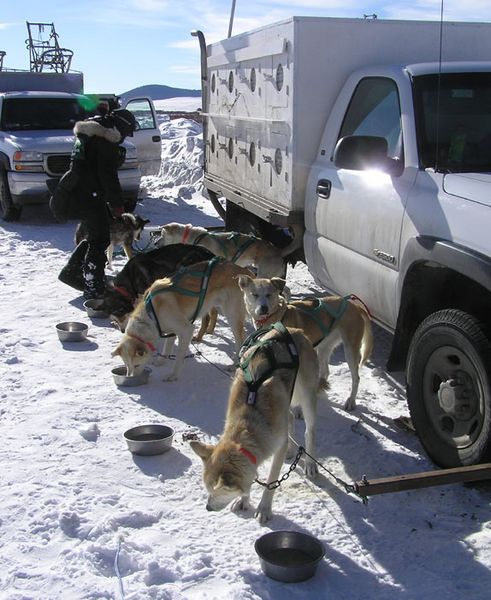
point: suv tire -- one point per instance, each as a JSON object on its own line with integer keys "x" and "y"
{"x": 8, "y": 211}
{"x": 449, "y": 388}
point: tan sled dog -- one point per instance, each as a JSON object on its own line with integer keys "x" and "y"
{"x": 326, "y": 321}
{"x": 242, "y": 249}
{"x": 258, "y": 427}
{"x": 171, "y": 305}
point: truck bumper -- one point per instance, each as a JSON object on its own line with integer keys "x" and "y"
{"x": 31, "y": 188}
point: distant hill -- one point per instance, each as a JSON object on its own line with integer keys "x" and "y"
{"x": 160, "y": 92}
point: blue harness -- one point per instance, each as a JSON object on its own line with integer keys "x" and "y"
{"x": 204, "y": 276}
{"x": 313, "y": 313}
{"x": 266, "y": 347}
{"x": 233, "y": 237}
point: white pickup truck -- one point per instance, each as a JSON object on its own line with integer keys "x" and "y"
{"x": 37, "y": 115}
{"x": 378, "y": 147}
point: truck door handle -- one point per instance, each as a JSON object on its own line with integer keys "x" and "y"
{"x": 156, "y": 138}
{"x": 323, "y": 189}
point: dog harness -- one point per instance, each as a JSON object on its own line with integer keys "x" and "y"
{"x": 313, "y": 313}
{"x": 256, "y": 344}
{"x": 233, "y": 237}
{"x": 174, "y": 287}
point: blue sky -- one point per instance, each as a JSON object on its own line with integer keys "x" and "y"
{"x": 122, "y": 44}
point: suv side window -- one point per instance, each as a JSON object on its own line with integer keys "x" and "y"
{"x": 375, "y": 110}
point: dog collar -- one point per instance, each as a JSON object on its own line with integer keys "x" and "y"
{"x": 122, "y": 291}
{"x": 248, "y": 454}
{"x": 139, "y": 339}
{"x": 186, "y": 233}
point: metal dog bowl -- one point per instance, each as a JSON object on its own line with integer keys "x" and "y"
{"x": 289, "y": 556}
{"x": 95, "y": 309}
{"x": 147, "y": 440}
{"x": 71, "y": 331}
{"x": 120, "y": 377}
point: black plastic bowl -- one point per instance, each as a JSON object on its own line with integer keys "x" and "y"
{"x": 289, "y": 556}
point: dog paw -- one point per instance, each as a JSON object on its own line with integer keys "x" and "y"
{"x": 240, "y": 504}
{"x": 350, "y": 404}
{"x": 311, "y": 470}
{"x": 263, "y": 516}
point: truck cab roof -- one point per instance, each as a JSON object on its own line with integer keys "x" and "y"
{"x": 37, "y": 94}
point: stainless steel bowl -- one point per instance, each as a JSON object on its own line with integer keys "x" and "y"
{"x": 120, "y": 377}
{"x": 289, "y": 556}
{"x": 149, "y": 439}
{"x": 71, "y": 331}
{"x": 94, "y": 309}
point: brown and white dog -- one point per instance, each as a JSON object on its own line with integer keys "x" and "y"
{"x": 255, "y": 431}
{"x": 167, "y": 307}
{"x": 326, "y": 321}
{"x": 124, "y": 230}
{"x": 240, "y": 248}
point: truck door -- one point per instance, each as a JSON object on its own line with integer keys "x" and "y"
{"x": 357, "y": 214}
{"x": 147, "y": 138}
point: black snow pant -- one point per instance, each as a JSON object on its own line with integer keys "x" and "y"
{"x": 85, "y": 268}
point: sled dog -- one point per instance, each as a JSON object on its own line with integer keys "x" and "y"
{"x": 138, "y": 274}
{"x": 171, "y": 305}
{"x": 326, "y": 321}
{"x": 239, "y": 248}
{"x": 124, "y": 230}
{"x": 284, "y": 372}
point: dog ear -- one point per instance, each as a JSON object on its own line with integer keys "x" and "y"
{"x": 244, "y": 281}
{"x": 278, "y": 283}
{"x": 202, "y": 450}
{"x": 226, "y": 481}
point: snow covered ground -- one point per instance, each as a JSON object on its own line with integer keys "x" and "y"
{"x": 82, "y": 518}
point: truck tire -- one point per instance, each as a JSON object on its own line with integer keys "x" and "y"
{"x": 8, "y": 211}
{"x": 449, "y": 388}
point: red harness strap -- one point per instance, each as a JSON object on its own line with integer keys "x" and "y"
{"x": 186, "y": 233}
{"x": 122, "y": 291}
{"x": 249, "y": 455}
{"x": 139, "y": 339}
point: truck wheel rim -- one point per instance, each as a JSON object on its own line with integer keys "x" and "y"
{"x": 453, "y": 396}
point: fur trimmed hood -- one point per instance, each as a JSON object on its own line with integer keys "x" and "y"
{"x": 92, "y": 128}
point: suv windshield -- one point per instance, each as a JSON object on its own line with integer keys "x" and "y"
{"x": 454, "y": 121}
{"x": 23, "y": 114}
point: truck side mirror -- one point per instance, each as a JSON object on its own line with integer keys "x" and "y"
{"x": 360, "y": 152}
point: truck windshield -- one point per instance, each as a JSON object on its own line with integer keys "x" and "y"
{"x": 24, "y": 114}
{"x": 453, "y": 119}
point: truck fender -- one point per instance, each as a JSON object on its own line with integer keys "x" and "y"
{"x": 436, "y": 274}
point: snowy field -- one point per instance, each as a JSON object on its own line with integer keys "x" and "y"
{"x": 82, "y": 518}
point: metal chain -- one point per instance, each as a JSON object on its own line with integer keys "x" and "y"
{"x": 272, "y": 485}
{"x": 348, "y": 487}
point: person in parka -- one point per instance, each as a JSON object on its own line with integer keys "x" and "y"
{"x": 91, "y": 192}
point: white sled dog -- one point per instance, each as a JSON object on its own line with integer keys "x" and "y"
{"x": 242, "y": 249}
{"x": 277, "y": 371}
{"x": 172, "y": 304}
{"x": 326, "y": 321}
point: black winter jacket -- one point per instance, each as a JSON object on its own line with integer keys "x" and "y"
{"x": 95, "y": 160}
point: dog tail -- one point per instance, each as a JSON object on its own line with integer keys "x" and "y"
{"x": 297, "y": 241}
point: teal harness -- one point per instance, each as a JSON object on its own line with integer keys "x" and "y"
{"x": 313, "y": 313}
{"x": 175, "y": 287}
{"x": 256, "y": 344}
{"x": 233, "y": 237}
